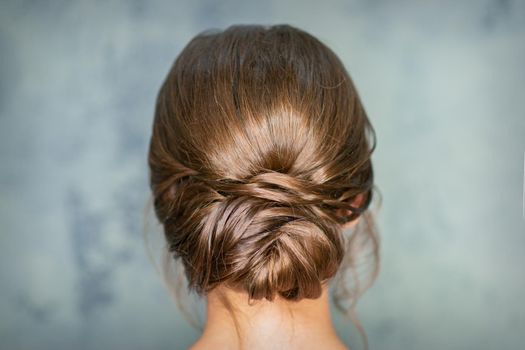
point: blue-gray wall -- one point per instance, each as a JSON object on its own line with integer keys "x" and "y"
{"x": 443, "y": 83}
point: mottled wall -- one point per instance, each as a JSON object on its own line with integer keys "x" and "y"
{"x": 443, "y": 83}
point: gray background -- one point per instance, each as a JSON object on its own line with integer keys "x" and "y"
{"x": 443, "y": 83}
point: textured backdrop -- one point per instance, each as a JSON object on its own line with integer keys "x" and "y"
{"x": 443, "y": 83}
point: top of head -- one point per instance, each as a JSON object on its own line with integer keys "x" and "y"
{"x": 259, "y": 141}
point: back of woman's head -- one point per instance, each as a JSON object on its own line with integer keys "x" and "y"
{"x": 259, "y": 153}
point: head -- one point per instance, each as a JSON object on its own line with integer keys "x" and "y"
{"x": 260, "y": 158}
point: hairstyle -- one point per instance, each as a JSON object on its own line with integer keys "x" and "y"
{"x": 260, "y": 148}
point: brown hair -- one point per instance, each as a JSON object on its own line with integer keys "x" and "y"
{"x": 260, "y": 143}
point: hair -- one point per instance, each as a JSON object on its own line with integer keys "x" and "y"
{"x": 260, "y": 149}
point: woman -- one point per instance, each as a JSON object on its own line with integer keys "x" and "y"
{"x": 259, "y": 160}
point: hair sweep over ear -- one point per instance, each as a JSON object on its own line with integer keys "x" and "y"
{"x": 259, "y": 140}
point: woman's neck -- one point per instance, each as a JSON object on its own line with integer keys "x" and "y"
{"x": 280, "y": 324}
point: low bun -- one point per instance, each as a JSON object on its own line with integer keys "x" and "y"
{"x": 263, "y": 236}
{"x": 297, "y": 259}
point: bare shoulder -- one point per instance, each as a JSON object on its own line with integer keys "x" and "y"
{"x": 331, "y": 345}
{"x": 199, "y": 345}
{"x": 207, "y": 343}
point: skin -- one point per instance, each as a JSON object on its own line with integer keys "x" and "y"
{"x": 268, "y": 325}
